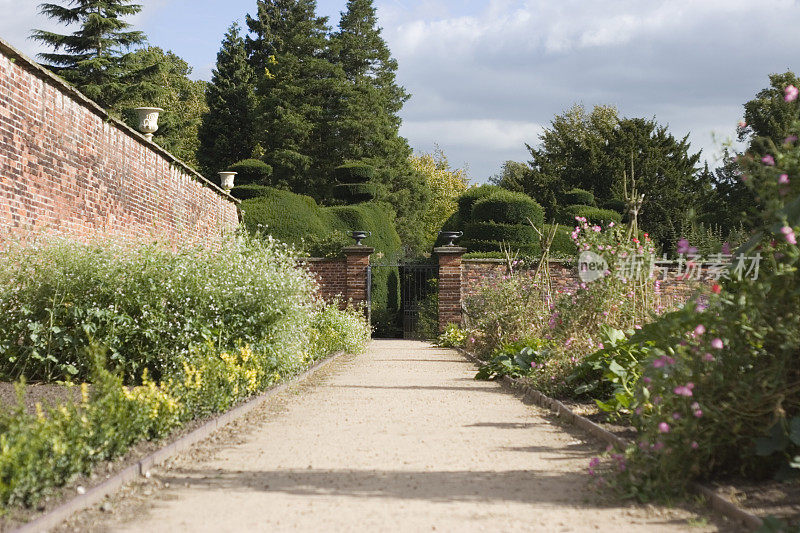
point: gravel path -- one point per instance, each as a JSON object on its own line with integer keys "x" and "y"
{"x": 401, "y": 438}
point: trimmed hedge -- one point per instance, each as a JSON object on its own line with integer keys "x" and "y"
{"x": 492, "y": 231}
{"x": 354, "y": 193}
{"x": 578, "y": 197}
{"x": 508, "y": 207}
{"x": 251, "y": 171}
{"x": 472, "y": 195}
{"x": 354, "y": 173}
{"x": 594, "y": 215}
{"x": 615, "y": 205}
{"x": 252, "y": 190}
{"x": 562, "y": 245}
{"x": 293, "y": 218}
{"x": 524, "y": 248}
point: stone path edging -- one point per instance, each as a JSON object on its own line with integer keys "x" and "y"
{"x": 717, "y": 502}
{"x": 141, "y": 468}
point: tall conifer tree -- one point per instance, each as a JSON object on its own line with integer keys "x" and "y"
{"x": 367, "y": 122}
{"x": 296, "y": 87}
{"x": 89, "y": 58}
{"x": 226, "y": 133}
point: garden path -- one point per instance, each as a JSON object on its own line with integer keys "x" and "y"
{"x": 400, "y": 438}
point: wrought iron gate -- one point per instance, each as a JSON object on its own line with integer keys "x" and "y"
{"x": 417, "y": 316}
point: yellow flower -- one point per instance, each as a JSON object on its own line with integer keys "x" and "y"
{"x": 84, "y": 392}
{"x": 39, "y": 412}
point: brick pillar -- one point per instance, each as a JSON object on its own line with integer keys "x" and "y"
{"x": 357, "y": 282}
{"x": 449, "y": 285}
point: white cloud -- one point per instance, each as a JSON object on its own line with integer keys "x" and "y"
{"x": 482, "y": 134}
{"x": 478, "y": 67}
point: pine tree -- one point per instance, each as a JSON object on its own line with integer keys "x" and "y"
{"x": 226, "y": 134}
{"x": 89, "y": 58}
{"x": 296, "y": 85}
{"x": 367, "y": 121}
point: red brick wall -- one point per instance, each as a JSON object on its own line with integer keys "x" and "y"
{"x": 331, "y": 276}
{"x": 66, "y": 167}
{"x": 564, "y": 278}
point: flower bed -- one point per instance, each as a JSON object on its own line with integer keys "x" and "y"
{"x": 712, "y": 389}
{"x": 164, "y": 337}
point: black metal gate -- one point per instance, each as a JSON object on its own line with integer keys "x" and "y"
{"x": 417, "y": 314}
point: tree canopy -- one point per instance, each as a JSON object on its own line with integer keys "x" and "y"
{"x": 90, "y": 57}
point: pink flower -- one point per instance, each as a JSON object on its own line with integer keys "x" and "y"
{"x": 695, "y": 445}
{"x": 610, "y": 224}
{"x": 594, "y": 462}
{"x": 695, "y": 405}
{"x": 717, "y": 344}
{"x": 683, "y": 390}
{"x": 783, "y": 179}
{"x": 742, "y": 124}
{"x": 708, "y": 357}
{"x": 698, "y": 413}
{"x": 790, "y": 139}
{"x": 663, "y": 427}
{"x": 699, "y": 330}
{"x": 788, "y": 233}
{"x": 658, "y": 445}
{"x": 658, "y": 363}
{"x": 676, "y": 416}
{"x": 768, "y": 160}
{"x": 790, "y": 93}
{"x": 646, "y": 380}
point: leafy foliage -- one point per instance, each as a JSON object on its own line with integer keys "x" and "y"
{"x": 251, "y": 171}
{"x": 445, "y": 184}
{"x": 91, "y": 57}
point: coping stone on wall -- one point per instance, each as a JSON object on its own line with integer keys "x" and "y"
{"x": 32, "y": 66}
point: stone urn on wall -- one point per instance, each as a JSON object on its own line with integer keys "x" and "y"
{"x": 226, "y": 180}
{"x": 148, "y": 120}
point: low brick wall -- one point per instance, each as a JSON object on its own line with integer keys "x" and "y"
{"x": 672, "y": 289}
{"x": 67, "y": 167}
{"x": 331, "y": 275}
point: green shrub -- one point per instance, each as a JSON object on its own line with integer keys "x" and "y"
{"x": 472, "y": 195}
{"x": 251, "y": 171}
{"x": 578, "y": 197}
{"x": 508, "y": 207}
{"x": 592, "y": 214}
{"x": 49, "y": 449}
{"x": 492, "y": 231}
{"x": 615, "y": 204}
{"x": 296, "y": 219}
{"x": 563, "y": 245}
{"x": 252, "y": 190}
{"x": 523, "y": 248}
{"x": 147, "y": 304}
{"x": 354, "y": 173}
{"x": 354, "y": 193}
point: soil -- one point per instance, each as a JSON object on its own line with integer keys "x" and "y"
{"x": 401, "y": 438}
{"x": 46, "y": 394}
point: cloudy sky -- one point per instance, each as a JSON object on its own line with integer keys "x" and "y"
{"x": 487, "y": 76}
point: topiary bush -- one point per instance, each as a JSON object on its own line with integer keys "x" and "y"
{"x": 578, "y": 197}
{"x": 563, "y": 246}
{"x": 492, "y": 231}
{"x": 252, "y": 190}
{"x": 472, "y": 195}
{"x": 614, "y": 204}
{"x": 354, "y": 173}
{"x": 526, "y": 248}
{"x": 251, "y": 171}
{"x": 508, "y": 207}
{"x": 354, "y": 193}
{"x": 595, "y": 215}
